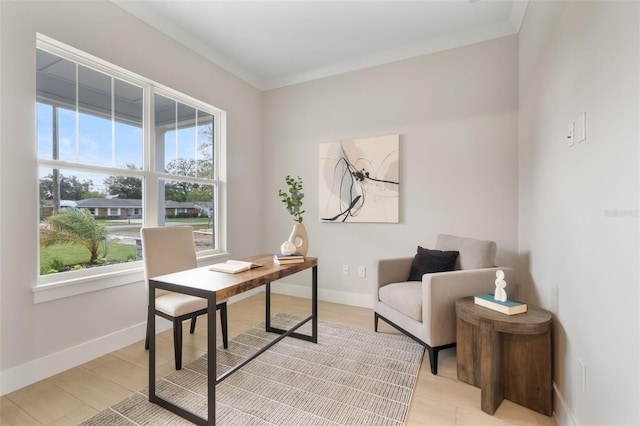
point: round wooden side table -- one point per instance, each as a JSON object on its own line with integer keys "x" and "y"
{"x": 506, "y": 356}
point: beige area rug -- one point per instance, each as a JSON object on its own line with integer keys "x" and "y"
{"x": 351, "y": 377}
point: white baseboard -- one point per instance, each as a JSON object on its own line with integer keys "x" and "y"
{"x": 561, "y": 411}
{"x": 47, "y": 366}
{"x": 334, "y": 296}
{"x": 304, "y": 291}
{"x": 39, "y": 369}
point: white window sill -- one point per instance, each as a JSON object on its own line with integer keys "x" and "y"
{"x": 58, "y": 286}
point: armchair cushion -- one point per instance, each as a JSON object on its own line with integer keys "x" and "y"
{"x": 405, "y": 297}
{"x": 474, "y": 254}
{"x": 429, "y": 261}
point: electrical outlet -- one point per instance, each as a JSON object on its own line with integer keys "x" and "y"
{"x": 362, "y": 271}
{"x": 345, "y": 269}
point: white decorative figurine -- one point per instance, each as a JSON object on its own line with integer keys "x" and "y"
{"x": 501, "y": 294}
{"x": 287, "y": 248}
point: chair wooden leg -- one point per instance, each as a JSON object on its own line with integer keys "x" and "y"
{"x": 192, "y": 329}
{"x": 177, "y": 343}
{"x": 376, "y": 317}
{"x": 223, "y": 324}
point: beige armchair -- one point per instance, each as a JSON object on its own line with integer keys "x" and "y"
{"x": 425, "y": 310}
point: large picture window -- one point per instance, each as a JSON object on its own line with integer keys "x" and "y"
{"x": 117, "y": 152}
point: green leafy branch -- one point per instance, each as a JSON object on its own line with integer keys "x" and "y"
{"x": 293, "y": 199}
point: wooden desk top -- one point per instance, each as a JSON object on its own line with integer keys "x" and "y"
{"x": 534, "y": 321}
{"x": 202, "y": 280}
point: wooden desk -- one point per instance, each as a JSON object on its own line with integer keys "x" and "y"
{"x": 507, "y": 356}
{"x": 218, "y": 286}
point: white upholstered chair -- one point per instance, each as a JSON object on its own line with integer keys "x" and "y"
{"x": 171, "y": 249}
{"x": 425, "y": 310}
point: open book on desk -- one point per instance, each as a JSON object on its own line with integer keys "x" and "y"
{"x": 233, "y": 266}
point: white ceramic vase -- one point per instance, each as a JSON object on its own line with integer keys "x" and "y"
{"x": 299, "y": 238}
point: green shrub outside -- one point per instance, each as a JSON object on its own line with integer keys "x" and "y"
{"x": 74, "y": 254}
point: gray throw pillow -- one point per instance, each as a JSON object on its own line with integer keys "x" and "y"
{"x": 428, "y": 261}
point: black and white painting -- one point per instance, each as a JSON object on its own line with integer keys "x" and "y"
{"x": 359, "y": 180}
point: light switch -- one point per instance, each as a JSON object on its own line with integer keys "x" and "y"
{"x": 570, "y": 139}
{"x": 581, "y": 128}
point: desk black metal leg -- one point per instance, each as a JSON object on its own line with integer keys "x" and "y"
{"x": 151, "y": 330}
{"x": 314, "y": 312}
{"x": 314, "y": 304}
{"x": 267, "y": 308}
{"x": 212, "y": 355}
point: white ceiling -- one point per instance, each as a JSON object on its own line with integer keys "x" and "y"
{"x": 272, "y": 44}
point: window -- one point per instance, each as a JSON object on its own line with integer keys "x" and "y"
{"x": 117, "y": 152}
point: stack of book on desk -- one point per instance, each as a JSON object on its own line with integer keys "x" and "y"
{"x": 285, "y": 259}
{"x": 510, "y": 307}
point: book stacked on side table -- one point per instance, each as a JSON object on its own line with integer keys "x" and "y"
{"x": 510, "y": 307}
{"x": 285, "y": 259}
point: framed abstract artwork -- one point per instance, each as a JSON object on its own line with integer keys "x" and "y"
{"x": 359, "y": 180}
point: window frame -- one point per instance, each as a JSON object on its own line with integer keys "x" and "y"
{"x": 65, "y": 284}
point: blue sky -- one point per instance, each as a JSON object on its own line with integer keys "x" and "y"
{"x": 95, "y": 145}
{"x": 94, "y": 139}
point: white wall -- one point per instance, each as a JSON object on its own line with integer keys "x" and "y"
{"x": 456, "y": 113}
{"x": 579, "y": 258}
{"x": 34, "y": 337}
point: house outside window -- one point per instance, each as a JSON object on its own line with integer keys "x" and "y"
{"x": 96, "y": 125}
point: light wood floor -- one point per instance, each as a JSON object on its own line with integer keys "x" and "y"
{"x": 77, "y": 394}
